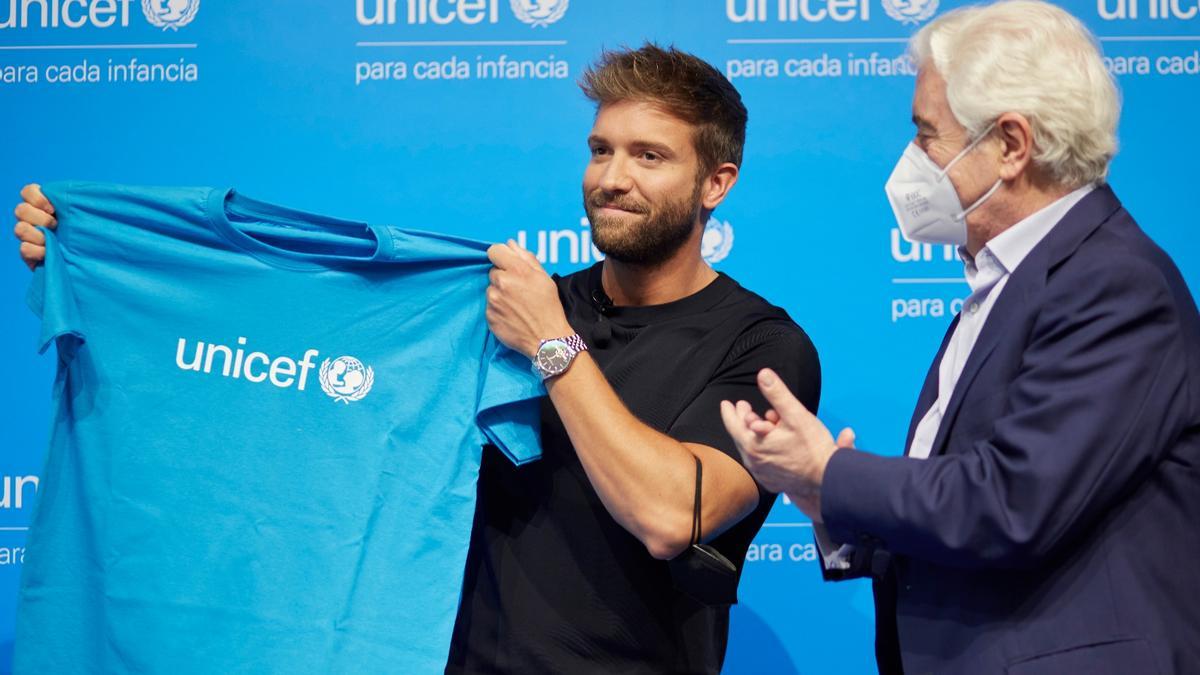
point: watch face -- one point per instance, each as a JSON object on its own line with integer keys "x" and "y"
{"x": 553, "y": 357}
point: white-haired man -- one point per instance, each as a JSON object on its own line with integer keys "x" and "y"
{"x": 1043, "y": 520}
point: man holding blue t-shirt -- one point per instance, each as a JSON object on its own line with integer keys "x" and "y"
{"x": 582, "y": 561}
{"x": 237, "y": 460}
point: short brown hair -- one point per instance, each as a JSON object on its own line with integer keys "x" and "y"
{"x": 684, "y": 86}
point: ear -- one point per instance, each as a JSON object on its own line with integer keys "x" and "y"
{"x": 1016, "y": 138}
{"x": 718, "y": 184}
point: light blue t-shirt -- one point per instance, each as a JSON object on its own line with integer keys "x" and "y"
{"x": 266, "y": 438}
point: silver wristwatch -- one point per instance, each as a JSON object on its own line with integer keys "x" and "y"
{"x": 555, "y": 355}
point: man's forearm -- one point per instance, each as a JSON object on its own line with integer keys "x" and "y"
{"x": 645, "y": 478}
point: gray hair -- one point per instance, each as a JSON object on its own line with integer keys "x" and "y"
{"x": 1032, "y": 58}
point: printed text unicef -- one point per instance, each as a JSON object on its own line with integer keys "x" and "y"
{"x": 19, "y": 494}
{"x": 814, "y": 11}
{"x": 164, "y": 14}
{"x": 113, "y": 13}
{"x": 344, "y": 378}
{"x": 535, "y": 13}
{"x": 553, "y": 247}
{"x": 17, "y": 491}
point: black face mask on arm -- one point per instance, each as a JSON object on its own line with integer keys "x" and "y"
{"x": 701, "y": 571}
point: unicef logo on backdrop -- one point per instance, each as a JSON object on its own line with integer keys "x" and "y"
{"x": 346, "y": 379}
{"x": 539, "y": 12}
{"x": 717, "y": 241}
{"x": 910, "y": 11}
{"x": 173, "y": 14}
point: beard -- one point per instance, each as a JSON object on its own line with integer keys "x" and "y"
{"x": 646, "y": 241}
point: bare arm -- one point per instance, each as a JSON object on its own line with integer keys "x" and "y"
{"x": 645, "y": 479}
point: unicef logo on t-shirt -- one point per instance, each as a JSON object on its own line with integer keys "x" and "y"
{"x": 910, "y": 11}
{"x": 717, "y": 241}
{"x": 346, "y": 379}
{"x": 172, "y": 14}
{"x": 539, "y": 12}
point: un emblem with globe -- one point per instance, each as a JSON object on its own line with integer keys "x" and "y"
{"x": 539, "y": 12}
{"x": 346, "y": 379}
{"x": 910, "y": 11}
{"x": 717, "y": 241}
{"x": 172, "y": 14}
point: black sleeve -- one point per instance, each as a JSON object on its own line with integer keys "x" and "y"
{"x": 778, "y": 345}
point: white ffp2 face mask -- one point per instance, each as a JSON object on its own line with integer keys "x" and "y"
{"x": 923, "y": 199}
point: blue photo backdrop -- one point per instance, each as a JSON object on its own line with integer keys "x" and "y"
{"x": 464, "y": 116}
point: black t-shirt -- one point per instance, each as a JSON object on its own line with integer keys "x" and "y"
{"x": 553, "y": 583}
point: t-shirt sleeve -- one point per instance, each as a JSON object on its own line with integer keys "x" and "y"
{"x": 780, "y": 346}
{"x": 507, "y": 411}
{"x": 51, "y": 298}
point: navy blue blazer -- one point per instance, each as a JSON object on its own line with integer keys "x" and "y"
{"x": 1055, "y": 528}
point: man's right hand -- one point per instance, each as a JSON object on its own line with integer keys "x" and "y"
{"x": 34, "y": 211}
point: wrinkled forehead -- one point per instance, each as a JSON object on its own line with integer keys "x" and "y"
{"x": 930, "y": 106}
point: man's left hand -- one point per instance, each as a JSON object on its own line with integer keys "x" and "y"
{"x": 523, "y": 307}
{"x": 787, "y": 448}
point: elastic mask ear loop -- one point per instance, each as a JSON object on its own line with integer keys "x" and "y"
{"x": 980, "y": 201}
{"x": 995, "y": 186}
{"x": 970, "y": 146}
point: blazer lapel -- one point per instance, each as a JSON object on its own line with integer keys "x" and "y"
{"x": 1021, "y": 284}
{"x": 929, "y": 391}
{"x": 1025, "y": 282}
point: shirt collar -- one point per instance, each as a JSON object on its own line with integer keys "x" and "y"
{"x": 982, "y": 270}
{"x": 1012, "y": 245}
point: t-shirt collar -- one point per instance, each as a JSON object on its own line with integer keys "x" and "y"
{"x": 699, "y": 301}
